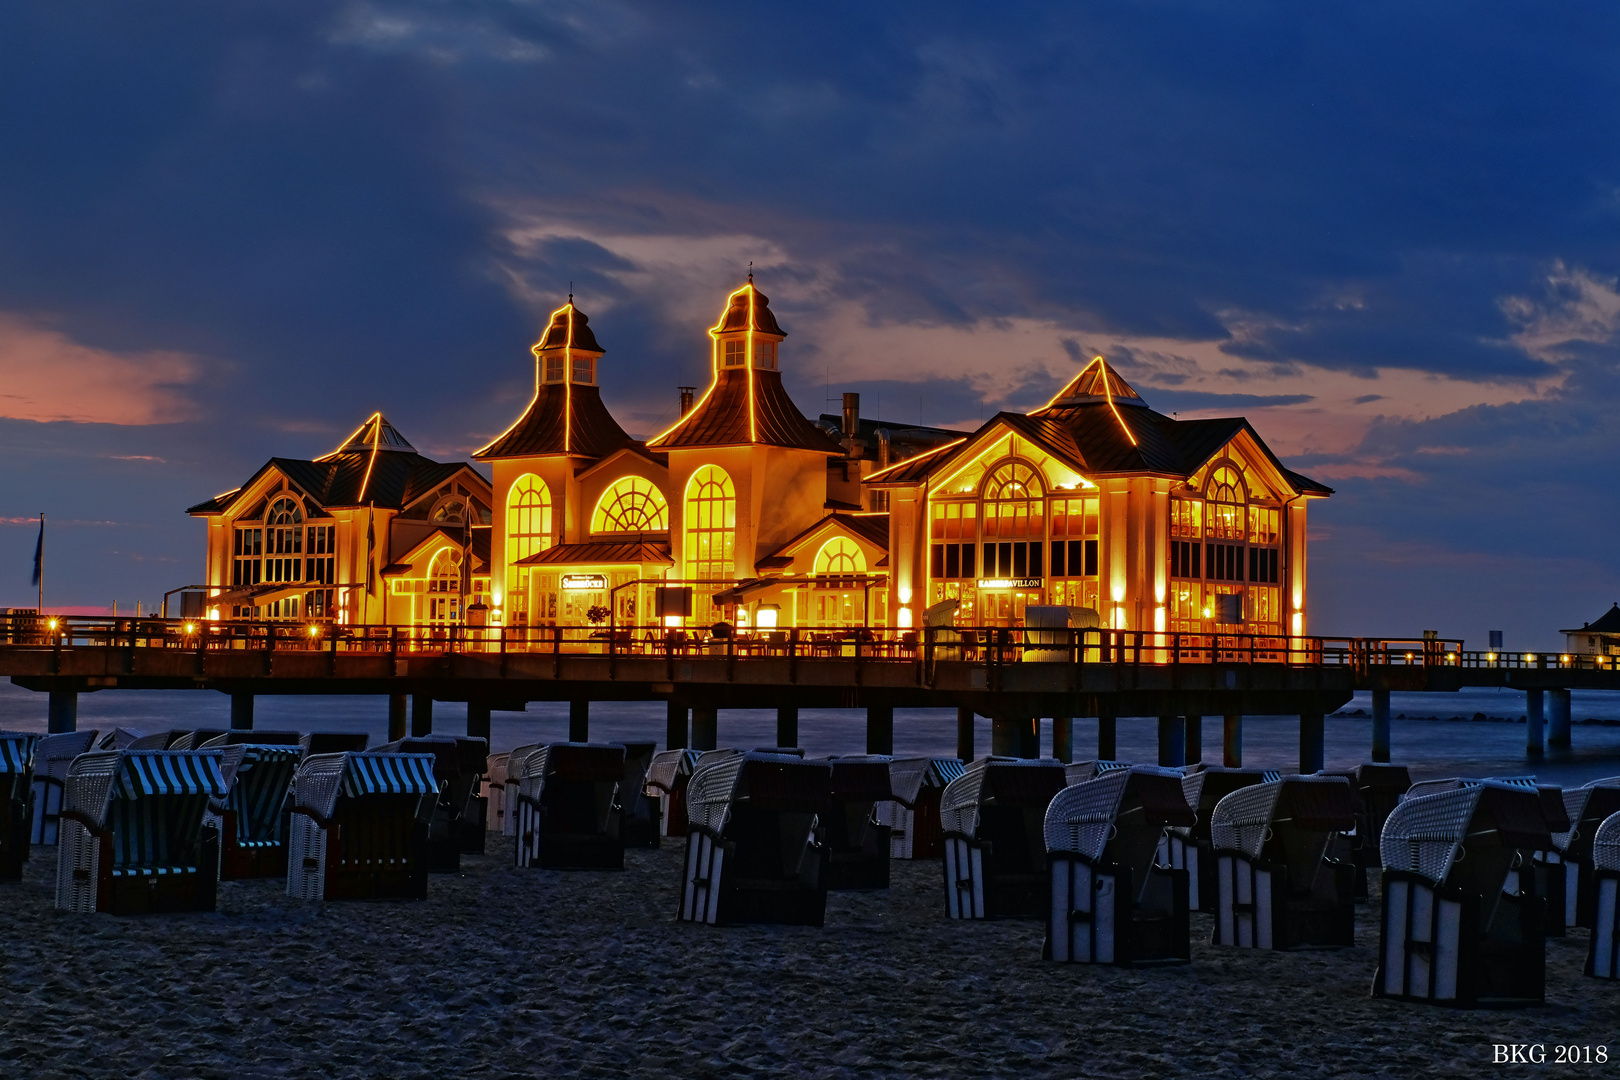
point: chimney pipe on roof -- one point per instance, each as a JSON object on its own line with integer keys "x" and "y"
{"x": 686, "y": 398}
{"x": 852, "y": 416}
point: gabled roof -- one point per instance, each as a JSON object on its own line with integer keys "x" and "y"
{"x": 478, "y": 542}
{"x": 1097, "y": 381}
{"x": 1608, "y": 623}
{"x": 630, "y": 449}
{"x": 872, "y": 528}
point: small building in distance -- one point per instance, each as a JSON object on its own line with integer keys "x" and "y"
{"x": 1600, "y": 638}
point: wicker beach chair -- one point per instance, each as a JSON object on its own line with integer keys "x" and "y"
{"x": 458, "y": 819}
{"x": 1455, "y": 930}
{"x": 195, "y": 740}
{"x": 252, "y": 818}
{"x": 253, "y": 737}
{"x": 857, "y": 842}
{"x": 1188, "y": 847}
{"x": 132, "y": 837}
{"x": 1275, "y": 886}
{"x": 667, "y": 778}
{"x": 120, "y": 738}
{"x": 360, "y": 826}
{"x": 1081, "y": 771}
{"x": 513, "y": 782}
{"x": 912, "y": 815}
{"x": 565, "y": 807}
{"x": 992, "y": 823}
{"x": 1111, "y": 903}
{"x": 635, "y": 813}
{"x": 52, "y": 757}
{"x": 494, "y": 790}
{"x": 752, "y": 854}
{"x": 157, "y": 740}
{"x": 17, "y": 754}
{"x": 1587, "y": 808}
{"x": 1379, "y": 789}
{"x": 1603, "y": 955}
{"x": 333, "y": 742}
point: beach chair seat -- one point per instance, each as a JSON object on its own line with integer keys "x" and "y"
{"x": 635, "y": 813}
{"x": 1188, "y": 847}
{"x": 360, "y": 826}
{"x": 132, "y": 836}
{"x": 565, "y": 807}
{"x": 752, "y": 850}
{"x": 457, "y": 826}
{"x": 253, "y": 818}
{"x": 857, "y": 842}
{"x": 912, "y": 814}
{"x": 992, "y": 820}
{"x": 17, "y": 756}
{"x": 1603, "y": 954}
{"x": 1111, "y": 902}
{"x": 52, "y": 756}
{"x": 1461, "y": 925}
{"x": 1276, "y": 888}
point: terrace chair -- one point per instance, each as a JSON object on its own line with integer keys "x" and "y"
{"x": 857, "y": 842}
{"x": 1188, "y": 847}
{"x": 1603, "y": 955}
{"x": 565, "y": 807}
{"x": 991, "y": 819}
{"x": 132, "y": 837}
{"x": 912, "y": 815}
{"x": 1460, "y": 925}
{"x": 360, "y": 826}
{"x": 752, "y": 854}
{"x": 1111, "y": 903}
{"x": 667, "y": 777}
{"x": 52, "y": 757}
{"x": 252, "y": 819}
{"x": 157, "y": 740}
{"x": 635, "y": 814}
{"x": 1276, "y": 887}
{"x": 17, "y": 754}
{"x": 457, "y": 827}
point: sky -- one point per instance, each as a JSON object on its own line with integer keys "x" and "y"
{"x": 1389, "y": 234}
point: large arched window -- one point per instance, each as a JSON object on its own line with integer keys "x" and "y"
{"x": 1013, "y": 501}
{"x": 632, "y": 505}
{"x": 528, "y": 518}
{"x": 840, "y": 557}
{"x": 284, "y": 535}
{"x": 1225, "y": 497}
{"x": 711, "y": 530}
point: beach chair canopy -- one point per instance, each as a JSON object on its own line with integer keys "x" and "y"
{"x": 158, "y": 740}
{"x": 1206, "y": 787}
{"x": 195, "y": 740}
{"x": 1424, "y": 835}
{"x": 334, "y": 742}
{"x": 253, "y": 736}
{"x": 323, "y": 778}
{"x": 861, "y": 778}
{"x": 908, "y": 776}
{"x": 1082, "y": 817}
{"x": 55, "y": 753}
{"x": 1551, "y": 798}
{"x": 666, "y": 767}
{"x": 769, "y": 781}
{"x": 1379, "y": 777}
{"x": 17, "y": 751}
{"x": 1028, "y": 782}
{"x": 454, "y": 755}
{"x": 495, "y": 769}
{"x": 1081, "y": 771}
{"x": 120, "y": 738}
{"x": 257, "y": 778}
{"x": 1247, "y": 819}
{"x": 582, "y": 762}
{"x": 1606, "y": 844}
{"x": 1587, "y": 807}
{"x": 790, "y": 751}
{"x": 95, "y": 780}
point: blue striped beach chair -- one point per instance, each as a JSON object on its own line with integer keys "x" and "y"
{"x": 1603, "y": 955}
{"x": 16, "y": 789}
{"x": 52, "y": 757}
{"x": 360, "y": 826}
{"x": 565, "y": 807}
{"x": 912, "y": 814}
{"x": 132, "y": 837}
{"x": 992, "y": 820}
{"x": 251, "y": 820}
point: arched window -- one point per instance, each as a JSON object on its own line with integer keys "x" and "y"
{"x": 445, "y": 574}
{"x": 1014, "y": 501}
{"x": 284, "y": 511}
{"x": 631, "y": 505}
{"x": 284, "y": 535}
{"x": 528, "y": 518}
{"x": 450, "y": 512}
{"x": 711, "y": 531}
{"x": 1226, "y": 497}
{"x": 840, "y": 556}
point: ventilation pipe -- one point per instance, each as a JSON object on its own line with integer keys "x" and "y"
{"x": 883, "y": 448}
{"x": 852, "y": 416}
{"x": 686, "y": 398}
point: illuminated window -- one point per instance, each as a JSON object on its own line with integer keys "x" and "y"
{"x": 1014, "y": 523}
{"x": 444, "y": 587}
{"x": 584, "y": 369}
{"x": 736, "y": 353}
{"x": 1186, "y": 518}
{"x": 840, "y": 556}
{"x": 450, "y": 512}
{"x": 284, "y": 536}
{"x": 528, "y": 518}
{"x": 711, "y": 533}
{"x": 631, "y": 505}
{"x": 1263, "y": 521}
{"x": 765, "y": 355}
{"x": 554, "y": 368}
{"x": 1225, "y": 497}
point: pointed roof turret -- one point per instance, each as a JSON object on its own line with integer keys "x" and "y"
{"x": 569, "y": 329}
{"x": 1097, "y": 382}
{"x": 375, "y": 434}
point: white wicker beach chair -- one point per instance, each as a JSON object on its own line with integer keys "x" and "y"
{"x": 565, "y": 807}
{"x": 514, "y": 769}
{"x": 457, "y": 827}
{"x": 1110, "y": 901}
{"x": 857, "y": 840}
{"x": 52, "y": 757}
{"x": 252, "y": 818}
{"x": 132, "y": 837}
{"x": 991, "y": 820}
{"x": 752, "y": 853}
{"x": 1586, "y": 808}
{"x": 912, "y": 815}
{"x": 1603, "y": 955}
{"x": 360, "y": 826}
{"x": 667, "y": 777}
{"x": 494, "y": 790}
{"x": 17, "y": 756}
{"x": 1459, "y": 925}
{"x": 1188, "y": 847}
{"x": 1275, "y": 886}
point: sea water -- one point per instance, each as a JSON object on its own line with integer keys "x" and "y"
{"x": 1434, "y": 735}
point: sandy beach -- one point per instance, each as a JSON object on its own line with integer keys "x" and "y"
{"x": 506, "y": 972}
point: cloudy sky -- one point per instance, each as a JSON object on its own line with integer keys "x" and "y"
{"x": 1385, "y": 232}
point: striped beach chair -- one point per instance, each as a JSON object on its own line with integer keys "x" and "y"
{"x": 752, "y": 854}
{"x": 857, "y": 841}
{"x": 1603, "y": 955}
{"x": 458, "y": 819}
{"x": 1111, "y": 902}
{"x": 565, "y": 807}
{"x": 132, "y": 838}
{"x": 1188, "y": 847}
{"x": 252, "y": 819}
{"x": 513, "y": 783}
{"x": 992, "y": 821}
{"x": 52, "y": 757}
{"x": 635, "y": 813}
{"x": 1460, "y": 924}
{"x": 17, "y": 754}
{"x": 360, "y": 826}
{"x": 912, "y": 814}
{"x": 1276, "y": 888}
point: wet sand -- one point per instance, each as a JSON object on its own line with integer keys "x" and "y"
{"x": 508, "y": 973}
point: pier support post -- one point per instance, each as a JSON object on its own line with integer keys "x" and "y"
{"x": 1107, "y": 730}
{"x": 1312, "y": 742}
{"x": 675, "y": 726}
{"x": 1063, "y": 738}
{"x": 421, "y": 714}
{"x": 241, "y": 712}
{"x": 705, "y": 727}
{"x": 396, "y": 717}
{"x": 1558, "y": 718}
{"x": 1195, "y": 740}
{"x": 1232, "y": 740}
{"x": 1172, "y": 741}
{"x": 1381, "y": 725}
{"x": 879, "y": 729}
{"x": 1534, "y": 722}
{"x": 62, "y": 711}
{"x": 964, "y": 733}
{"x": 478, "y": 720}
{"x": 579, "y": 721}
{"x": 787, "y": 725}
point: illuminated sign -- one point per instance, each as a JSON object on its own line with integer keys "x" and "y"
{"x": 1010, "y": 583}
{"x": 584, "y": 581}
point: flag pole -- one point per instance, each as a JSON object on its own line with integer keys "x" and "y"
{"x": 39, "y": 564}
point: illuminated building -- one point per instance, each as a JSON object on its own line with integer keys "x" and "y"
{"x": 1599, "y": 638}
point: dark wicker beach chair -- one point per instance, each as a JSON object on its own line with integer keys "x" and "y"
{"x": 1455, "y": 929}
{"x": 458, "y": 820}
{"x": 667, "y": 777}
{"x": 1603, "y": 955}
{"x": 1188, "y": 847}
{"x": 120, "y": 738}
{"x": 1111, "y": 903}
{"x": 1379, "y": 789}
{"x": 1080, "y": 771}
{"x": 157, "y": 740}
{"x": 565, "y": 807}
{"x": 333, "y": 742}
{"x": 17, "y": 754}
{"x": 912, "y": 815}
{"x": 752, "y": 855}
{"x": 252, "y": 819}
{"x": 194, "y": 740}
{"x": 635, "y": 813}
{"x": 1276, "y": 887}
{"x": 360, "y": 826}
{"x": 254, "y": 737}
{"x": 992, "y": 821}
{"x": 857, "y": 842}
{"x": 1587, "y": 808}
{"x": 52, "y": 757}
{"x": 494, "y": 791}
{"x": 132, "y": 837}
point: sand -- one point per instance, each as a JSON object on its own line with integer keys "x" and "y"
{"x": 506, "y": 972}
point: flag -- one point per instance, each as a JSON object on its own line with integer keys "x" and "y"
{"x": 466, "y": 553}
{"x": 371, "y": 546}
{"x": 39, "y": 553}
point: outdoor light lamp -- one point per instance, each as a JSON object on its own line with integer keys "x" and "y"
{"x": 765, "y": 618}
{"x": 53, "y": 624}
{"x": 314, "y": 631}
{"x": 191, "y": 628}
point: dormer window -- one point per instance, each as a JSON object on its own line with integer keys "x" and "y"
{"x": 584, "y": 369}
{"x": 554, "y": 368}
{"x": 736, "y": 353}
{"x": 765, "y": 355}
